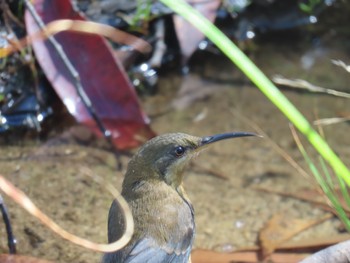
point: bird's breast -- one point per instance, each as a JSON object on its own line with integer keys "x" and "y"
{"x": 163, "y": 215}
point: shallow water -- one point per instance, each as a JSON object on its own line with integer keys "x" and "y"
{"x": 229, "y": 213}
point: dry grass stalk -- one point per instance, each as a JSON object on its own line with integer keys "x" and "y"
{"x": 23, "y": 200}
{"x": 303, "y": 84}
{"x": 87, "y": 27}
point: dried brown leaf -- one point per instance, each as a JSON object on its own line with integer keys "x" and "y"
{"x": 281, "y": 228}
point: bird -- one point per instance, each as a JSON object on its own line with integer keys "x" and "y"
{"x": 153, "y": 188}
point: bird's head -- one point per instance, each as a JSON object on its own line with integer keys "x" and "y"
{"x": 166, "y": 156}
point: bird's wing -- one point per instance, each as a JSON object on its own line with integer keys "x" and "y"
{"x": 146, "y": 251}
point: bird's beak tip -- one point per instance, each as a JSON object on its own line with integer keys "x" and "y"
{"x": 218, "y": 137}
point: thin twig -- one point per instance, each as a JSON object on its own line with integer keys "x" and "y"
{"x": 330, "y": 121}
{"x": 341, "y": 64}
{"x": 81, "y": 26}
{"x": 11, "y": 240}
{"x": 303, "y": 84}
{"x": 274, "y": 145}
{"x": 20, "y": 198}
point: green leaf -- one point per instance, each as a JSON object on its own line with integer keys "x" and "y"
{"x": 305, "y": 8}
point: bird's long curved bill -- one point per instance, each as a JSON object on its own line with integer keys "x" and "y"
{"x": 223, "y": 136}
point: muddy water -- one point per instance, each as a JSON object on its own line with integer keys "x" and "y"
{"x": 229, "y": 213}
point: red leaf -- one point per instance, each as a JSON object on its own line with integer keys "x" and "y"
{"x": 103, "y": 77}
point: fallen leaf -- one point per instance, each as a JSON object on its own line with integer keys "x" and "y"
{"x": 189, "y": 36}
{"x": 281, "y": 228}
{"x": 102, "y": 77}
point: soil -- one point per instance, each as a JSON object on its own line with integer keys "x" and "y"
{"x": 229, "y": 213}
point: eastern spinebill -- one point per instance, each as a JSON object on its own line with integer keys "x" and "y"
{"x": 163, "y": 214}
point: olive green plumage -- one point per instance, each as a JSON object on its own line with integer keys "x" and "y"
{"x": 163, "y": 214}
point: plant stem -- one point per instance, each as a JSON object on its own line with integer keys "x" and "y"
{"x": 261, "y": 81}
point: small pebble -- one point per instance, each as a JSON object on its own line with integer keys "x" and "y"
{"x": 239, "y": 224}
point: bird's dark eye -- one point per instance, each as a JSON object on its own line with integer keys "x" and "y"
{"x": 179, "y": 151}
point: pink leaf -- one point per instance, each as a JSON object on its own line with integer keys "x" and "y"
{"x": 188, "y": 35}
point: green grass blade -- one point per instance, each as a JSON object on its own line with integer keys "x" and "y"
{"x": 326, "y": 187}
{"x": 327, "y": 174}
{"x": 261, "y": 81}
{"x": 344, "y": 191}
{"x": 342, "y": 185}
